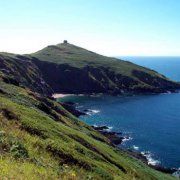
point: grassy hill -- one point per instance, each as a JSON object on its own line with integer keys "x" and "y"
{"x": 39, "y": 139}
{"x": 75, "y": 56}
{"x": 71, "y": 69}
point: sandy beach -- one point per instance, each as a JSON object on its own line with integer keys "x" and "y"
{"x": 60, "y": 95}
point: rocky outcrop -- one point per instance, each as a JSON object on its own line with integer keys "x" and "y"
{"x": 69, "y": 106}
{"x": 114, "y": 137}
{"x": 21, "y": 71}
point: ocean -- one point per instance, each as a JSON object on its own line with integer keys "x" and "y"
{"x": 152, "y": 122}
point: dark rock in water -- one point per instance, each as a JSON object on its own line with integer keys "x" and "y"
{"x": 72, "y": 109}
{"x": 85, "y": 110}
{"x": 100, "y": 128}
{"x": 137, "y": 155}
{"x": 116, "y": 140}
{"x": 112, "y": 136}
{"x": 70, "y": 103}
{"x": 164, "y": 169}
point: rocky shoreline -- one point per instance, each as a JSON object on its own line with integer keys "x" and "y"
{"x": 70, "y": 106}
{"x": 116, "y": 138}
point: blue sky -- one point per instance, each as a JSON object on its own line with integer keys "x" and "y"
{"x": 110, "y": 27}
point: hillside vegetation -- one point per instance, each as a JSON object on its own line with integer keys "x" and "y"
{"x": 39, "y": 139}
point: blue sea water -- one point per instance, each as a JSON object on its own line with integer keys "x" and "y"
{"x": 151, "y": 121}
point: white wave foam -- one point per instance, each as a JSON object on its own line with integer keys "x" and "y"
{"x": 177, "y": 173}
{"x": 126, "y": 138}
{"x": 135, "y": 147}
{"x": 109, "y": 128}
{"x": 95, "y": 125}
{"x": 95, "y": 111}
{"x": 92, "y": 111}
{"x": 150, "y": 159}
{"x": 168, "y": 92}
{"x": 96, "y": 95}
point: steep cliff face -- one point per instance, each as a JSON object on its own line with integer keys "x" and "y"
{"x": 71, "y": 69}
{"x": 20, "y": 70}
{"x": 66, "y": 68}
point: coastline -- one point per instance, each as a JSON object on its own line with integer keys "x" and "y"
{"x": 117, "y": 138}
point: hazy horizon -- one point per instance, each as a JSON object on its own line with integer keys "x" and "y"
{"x": 118, "y": 28}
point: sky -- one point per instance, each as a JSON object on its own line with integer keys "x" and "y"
{"x": 109, "y": 27}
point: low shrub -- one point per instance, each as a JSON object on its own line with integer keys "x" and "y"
{"x": 18, "y": 150}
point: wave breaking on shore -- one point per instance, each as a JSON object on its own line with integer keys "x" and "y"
{"x": 150, "y": 159}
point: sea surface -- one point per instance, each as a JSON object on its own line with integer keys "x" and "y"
{"x": 152, "y": 122}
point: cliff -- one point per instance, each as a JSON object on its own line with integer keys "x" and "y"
{"x": 66, "y": 68}
{"x": 71, "y": 69}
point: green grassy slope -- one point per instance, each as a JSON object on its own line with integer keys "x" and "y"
{"x": 88, "y": 72}
{"x": 66, "y": 53}
{"x": 39, "y": 139}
